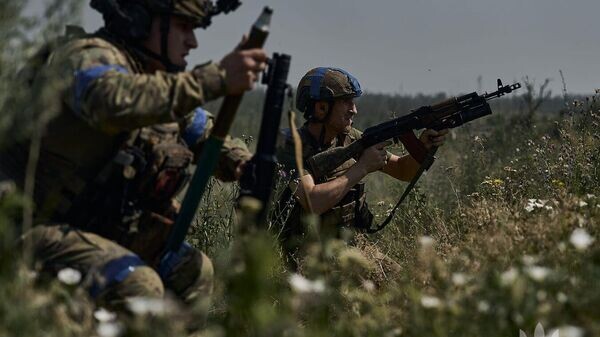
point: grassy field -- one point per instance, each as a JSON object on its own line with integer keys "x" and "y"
{"x": 499, "y": 236}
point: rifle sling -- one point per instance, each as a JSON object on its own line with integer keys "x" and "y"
{"x": 298, "y": 153}
{"x": 425, "y": 165}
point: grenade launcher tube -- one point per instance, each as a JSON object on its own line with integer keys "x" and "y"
{"x": 257, "y": 181}
{"x": 212, "y": 147}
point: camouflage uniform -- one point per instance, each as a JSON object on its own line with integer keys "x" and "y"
{"x": 322, "y": 84}
{"x": 108, "y": 104}
{"x": 351, "y": 212}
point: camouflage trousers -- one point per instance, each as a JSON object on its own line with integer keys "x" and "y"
{"x": 112, "y": 273}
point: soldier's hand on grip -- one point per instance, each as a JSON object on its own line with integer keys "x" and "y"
{"x": 375, "y": 157}
{"x": 430, "y": 137}
{"x": 242, "y": 68}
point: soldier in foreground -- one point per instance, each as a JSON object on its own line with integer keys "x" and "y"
{"x": 326, "y": 98}
{"x": 120, "y": 148}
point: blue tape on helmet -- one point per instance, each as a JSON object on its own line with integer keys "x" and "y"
{"x": 83, "y": 79}
{"x": 353, "y": 82}
{"x": 315, "y": 83}
{"x": 196, "y": 129}
{"x": 115, "y": 271}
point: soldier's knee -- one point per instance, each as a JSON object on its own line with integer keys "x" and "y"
{"x": 190, "y": 274}
{"x": 200, "y": 283}
{"x": 43, "y": 240}
{"x": 143, "y": 281}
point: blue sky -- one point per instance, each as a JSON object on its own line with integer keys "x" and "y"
{"x": 426, "y": 46}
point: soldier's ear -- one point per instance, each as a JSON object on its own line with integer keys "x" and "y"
{"x": 321, "y": 109}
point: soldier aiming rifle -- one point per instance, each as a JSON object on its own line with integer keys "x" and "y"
{"x": 337, "y": 157}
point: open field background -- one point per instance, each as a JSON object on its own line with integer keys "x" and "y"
{"x": 501, "y": 234}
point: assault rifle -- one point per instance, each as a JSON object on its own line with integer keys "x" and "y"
{"x": 448, "y": 114}
{"x": 257, "y": 179}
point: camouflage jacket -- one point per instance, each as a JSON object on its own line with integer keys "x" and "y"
{"x": 104, "y": 97}
{"x": 352, "y": 210}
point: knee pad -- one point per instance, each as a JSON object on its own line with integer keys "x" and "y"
{"x": 141, "y": 282}
{"x": 191, "y": 275}
{"x": 128, "y": 275}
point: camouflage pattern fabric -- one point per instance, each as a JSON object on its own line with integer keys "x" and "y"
{"x": 343, "y": 215}
{"x": 349, "y": 215}
{"x": 196, "y": 10}
{"x": 106, "y": 98}
{"x": 286, "y": 155}
{"x": 58, "y": 247}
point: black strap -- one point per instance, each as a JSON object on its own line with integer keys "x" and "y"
{"x": 425, "y": 165}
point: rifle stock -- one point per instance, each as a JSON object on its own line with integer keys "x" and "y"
{"x": 327, "y": 161}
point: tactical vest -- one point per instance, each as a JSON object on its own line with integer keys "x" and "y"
{"x": 352, "y": 211}
{"x": 132, "y": 200}
{"x": 129, "y": 197}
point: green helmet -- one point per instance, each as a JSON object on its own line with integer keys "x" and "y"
{"x": 197, "y": 11}
{"x": 132, "y": 18}
{"x": 325, "y": 84}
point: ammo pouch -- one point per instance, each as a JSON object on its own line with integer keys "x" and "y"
{"x": 351, "y": 211}
{"x": 132, "y": 201}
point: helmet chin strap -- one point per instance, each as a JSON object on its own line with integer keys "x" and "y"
{"x": 165, "y": 26}
{"x": 321, "y": 140}
{"x": 163, "y": 57}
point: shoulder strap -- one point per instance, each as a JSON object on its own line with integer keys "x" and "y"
{"x": 425, "y": 165}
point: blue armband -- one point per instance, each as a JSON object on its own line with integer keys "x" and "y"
{"x": 83, "y": 79}
{"x": 196, "y": 129}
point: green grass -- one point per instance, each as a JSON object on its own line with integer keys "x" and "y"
{"x": 468, "y": 254}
